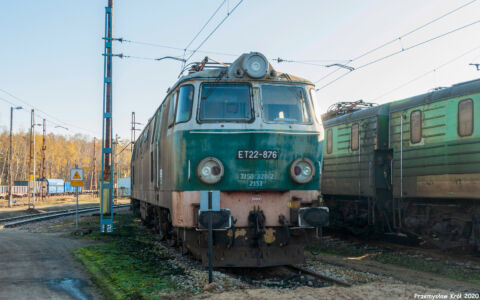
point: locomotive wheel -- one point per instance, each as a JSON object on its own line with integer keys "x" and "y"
{"x": 161, "y": 223}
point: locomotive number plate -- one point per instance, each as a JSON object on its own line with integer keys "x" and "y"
{"x": 257, "y": 154}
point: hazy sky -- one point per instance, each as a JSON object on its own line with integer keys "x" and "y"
{"x": 50, "y": 50}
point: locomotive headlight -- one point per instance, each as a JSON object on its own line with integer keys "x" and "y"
{"x": 210, "y": 170}
{"x": 302, "y": 170}
{"x": 255, "y": 65}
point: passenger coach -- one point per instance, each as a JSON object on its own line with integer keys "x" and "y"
{"x": 253, "y": 137}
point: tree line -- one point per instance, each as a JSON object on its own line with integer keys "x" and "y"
{"x": 62, "y": 154}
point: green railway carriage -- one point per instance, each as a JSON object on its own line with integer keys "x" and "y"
{"x": 355, "y": 159}
{"x": 251, "y": 135}
{"x": 435, "y": 139}
{"x": 421, "y": 174}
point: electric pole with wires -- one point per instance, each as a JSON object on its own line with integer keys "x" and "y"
{"x": 106, "y": 194}
{"x": 44, "y": 154}
{"x": 93, "y": 177}
{"x": 31, "y": 176}
{"x": 133, "y": 131}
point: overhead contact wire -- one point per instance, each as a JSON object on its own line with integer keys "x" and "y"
{"x": 400, "y": 38}
{"x": 215, "y": 29}
{"x": 46, "y": 114}
{"x": 398, "y": 52}
{"x": 426, "y": 73}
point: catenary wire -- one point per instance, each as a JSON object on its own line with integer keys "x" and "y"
{"x": 205, "y": 25}
{"x": 215, "y": 29}
{"x": 400, "y": 37}
{"x": 413, "y": 30}
{"x": 50, "y": 117}
{"x": 426, "y": 73}
{"x": 175, "y": 48}
{"x": 398, "y": 52}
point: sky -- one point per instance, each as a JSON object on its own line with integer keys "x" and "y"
{"x": 51, "y": 51}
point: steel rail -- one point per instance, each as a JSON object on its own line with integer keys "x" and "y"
{"x": 46, "y": 216}
{"x": 318, "y": 275}
{"x": 5, "y": 220}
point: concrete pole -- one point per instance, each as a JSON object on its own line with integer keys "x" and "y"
{"x": 132, "y": 136}
{"x": 93, "y": 179}
{"x": 10, "y": 159}
{"x": 34, "y": 160}
{"x": 44, "y": 150}
{"x": 30, "y": 159}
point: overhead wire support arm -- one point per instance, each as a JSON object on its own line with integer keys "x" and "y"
{"x": 341, "y": 66}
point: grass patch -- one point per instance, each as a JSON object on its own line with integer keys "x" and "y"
{"x": 127, "y": 265}
{"x": 439, "y": 267}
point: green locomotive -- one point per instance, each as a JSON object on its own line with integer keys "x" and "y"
{"x": 252, "y": 136}
{"x": 409, "y": 167}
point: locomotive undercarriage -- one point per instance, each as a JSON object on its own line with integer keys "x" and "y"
{"x": 254, "y": 246}
{"x": 444, "y": 224}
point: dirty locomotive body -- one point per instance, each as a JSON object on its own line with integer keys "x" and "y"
{"x": 409, "y": 167}
{"x": 250, "y": 136}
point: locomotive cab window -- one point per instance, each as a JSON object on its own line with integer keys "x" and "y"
{"x": 184, "y": 106}
{"x": 225, "y": 103}
{"x": 171, "y": 111}
{"x": 465, "y": 117}
{"x": 354, "y": 137}
{"x": 329, "y": 141}
{"x": 285, "y": 104}
{"x": 415, "y": 126}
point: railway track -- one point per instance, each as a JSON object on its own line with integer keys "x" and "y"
{"x": 319, "y": 276}
{"x": 20, "y": 220}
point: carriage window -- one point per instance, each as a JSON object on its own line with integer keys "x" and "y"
{"x": 354, "y": 137}
{"x": 225, "y": 102}
{"x": 184, "y": 106}
{"x": 329, "y": 141}
{"x": 158, "y": 124}
{"x": 171, "y": 112}
{"x": 465, "y": 117}
{"x": 285, "y": 104}
{"x": 415, "y": 126}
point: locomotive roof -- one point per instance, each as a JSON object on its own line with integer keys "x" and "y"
{"x": 357, "y": 115}
{"x": 228, "y": 72}
{"x": 215, "y": 73}
{"x": 457, "y": 90}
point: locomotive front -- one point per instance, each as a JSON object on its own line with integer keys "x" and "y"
{"x": 251, "y": 143}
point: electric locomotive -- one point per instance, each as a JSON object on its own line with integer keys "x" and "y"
{"x": 409, "y": 168}
{"x": 245, "y": 138}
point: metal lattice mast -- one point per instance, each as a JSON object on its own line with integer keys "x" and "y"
{"x": 106, "y": 212}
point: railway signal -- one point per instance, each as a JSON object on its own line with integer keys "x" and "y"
{"x": 76, "y": 180}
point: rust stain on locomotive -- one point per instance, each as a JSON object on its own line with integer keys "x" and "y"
{"x": 269, "y": 236}
{"x": 185, "y": 205}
